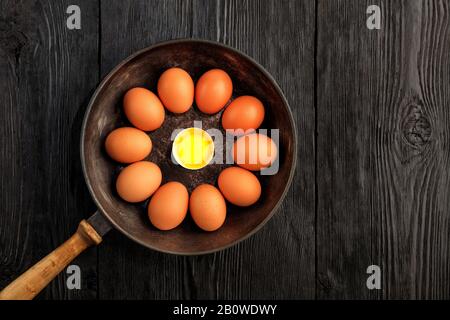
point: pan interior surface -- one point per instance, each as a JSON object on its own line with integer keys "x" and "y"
{"x": 105, "y": 113}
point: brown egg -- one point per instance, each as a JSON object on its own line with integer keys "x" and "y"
{"x": 128, "y": 145}
{"x": 245, "y": 112}
{"x": 254, "y": 152}
{"x": 138, "y": 181}
{"x": 176, "y": 90}
{"x": 239, "y": 186}
{"x": 143, "y": 109}
{"x": 213, "y": 90}
{"x": 168, "y": 206}
{"x": 207, "y": 207}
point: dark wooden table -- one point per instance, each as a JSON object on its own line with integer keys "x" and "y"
{"x": 372, "y": 184}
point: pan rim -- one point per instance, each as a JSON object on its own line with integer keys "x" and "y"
{"x": 113, "y": 72}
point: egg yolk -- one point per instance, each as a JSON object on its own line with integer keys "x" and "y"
{"x": 193, "y": 148}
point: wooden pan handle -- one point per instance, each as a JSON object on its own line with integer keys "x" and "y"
{"x": 30, "y": 283}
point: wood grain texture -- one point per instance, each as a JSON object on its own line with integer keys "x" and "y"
{"x": 379, "y": 194}
{"x": 47, "y": 74}
{"x": 250, "y": 269}
{"x": 383, "y": 149}
{"x": 28, "y": 285}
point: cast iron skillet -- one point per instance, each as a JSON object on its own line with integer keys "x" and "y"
{"x": 104, "y": 113}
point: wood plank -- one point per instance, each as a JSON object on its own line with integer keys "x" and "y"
{"x": 47, "y": 74}
{"x": 383, "y": 134}
{"x": 280, "y": 35}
